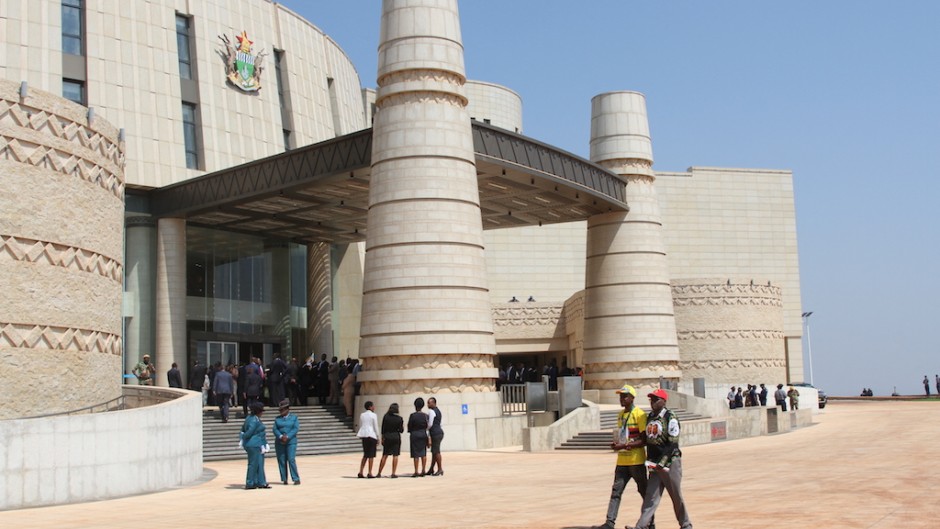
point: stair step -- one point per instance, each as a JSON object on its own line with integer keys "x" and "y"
{"x": 600, "y": 440}
{"x": 323, "y": 430}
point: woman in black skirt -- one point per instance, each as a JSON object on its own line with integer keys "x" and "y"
{"x": 418, "y": 429}
{"x": 392, "y": 427}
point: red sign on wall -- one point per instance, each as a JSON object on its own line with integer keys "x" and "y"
{"x": 719, "y": 431}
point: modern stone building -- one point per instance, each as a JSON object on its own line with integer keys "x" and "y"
{"x": 278, "y": 201}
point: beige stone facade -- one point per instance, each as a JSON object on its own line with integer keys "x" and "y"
{"x": 61, "y": 233}
{"x": 494, "y": 105}
{"x": 730, "y": 331}
{"x": 629, "y": 325}
{"x": 427, "y": 327}
{"x": 133, "y": 81}
{"x": 714, "y": 223}
{"x": 737, "y": 224}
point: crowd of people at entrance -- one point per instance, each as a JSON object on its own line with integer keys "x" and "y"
{"x": 756, "y": 395}
{"x": 315, "y": 381}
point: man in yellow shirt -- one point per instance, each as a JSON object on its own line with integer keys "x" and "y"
{"x": 629, "y": 442}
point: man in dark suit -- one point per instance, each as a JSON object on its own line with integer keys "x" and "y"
{"x": 197, "y": 376}
{"x": 173, "y": 377}
{"x": 276, "y": 380}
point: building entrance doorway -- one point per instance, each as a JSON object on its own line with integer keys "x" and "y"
{"x": 224, "y": 352}
{"x": 236, "y": 349}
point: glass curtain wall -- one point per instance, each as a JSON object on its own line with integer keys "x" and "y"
{"x": 246, "y": 297}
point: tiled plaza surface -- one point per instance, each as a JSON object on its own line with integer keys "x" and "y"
{"x": 862, "y": 465}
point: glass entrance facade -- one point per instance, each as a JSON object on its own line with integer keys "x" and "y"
{"x": 245, "y": 297}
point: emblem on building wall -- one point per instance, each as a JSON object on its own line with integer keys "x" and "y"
{"x": 242, "y": 68}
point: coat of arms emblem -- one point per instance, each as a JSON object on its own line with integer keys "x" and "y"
{"x": 242, "y": 69}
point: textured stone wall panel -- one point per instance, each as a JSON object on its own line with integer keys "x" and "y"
{"x": 61, "y": 232}
{"x": 730, "y": 331}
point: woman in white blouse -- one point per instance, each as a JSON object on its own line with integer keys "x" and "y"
{"x": 369, "y": 433}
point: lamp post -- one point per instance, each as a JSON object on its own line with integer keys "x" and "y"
{"x": 809, "y": 345}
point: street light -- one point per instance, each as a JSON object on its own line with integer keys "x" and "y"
{"x": 809, "y": 344}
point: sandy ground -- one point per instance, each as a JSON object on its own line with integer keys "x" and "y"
{"x": 862, "y": 465}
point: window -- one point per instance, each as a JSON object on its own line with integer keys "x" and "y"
{"x": 183, "y": 48}
{"x": 189, "y": 136}
{"x": 278, "y": 73}
{"x": 282, "y": 96}
{"x": 73, "y": 91}
{"x": 72, "y": 27}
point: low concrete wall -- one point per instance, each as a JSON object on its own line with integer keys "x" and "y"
{"x": 726, "y": 424}
{"x": 541, "y": 438}
{"x": 506, "y": 430}
{"x": 75, "y": 458}
{"x": 497, "y": 432}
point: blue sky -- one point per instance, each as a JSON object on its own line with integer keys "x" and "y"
{"x": 845, "y": 93}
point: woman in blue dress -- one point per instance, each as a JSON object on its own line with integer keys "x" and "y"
{"x": 286, "y": 426}
{"x": 254, "y": 442}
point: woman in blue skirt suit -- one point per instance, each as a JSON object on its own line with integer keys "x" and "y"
{"x": 286, "y": 426}
{"x": 255, "y": 444}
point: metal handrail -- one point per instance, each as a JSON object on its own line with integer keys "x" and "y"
{"x": 513, "y": 398}
{"x": 117, "y": 403}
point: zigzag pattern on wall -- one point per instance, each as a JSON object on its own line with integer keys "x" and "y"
{"x": 728, "y": 301}
{"x": 60, "y": 127}
{"x": 627, "y": 367}
{"x": 429, "y": 362}
{"x": 616, "y": 383}
{"x": 729, "y": 335}
{"x": 523, "y": 316}
{"x": 30, "y": 336}
{"x": 725, "y": 289}
{"x": 18, "y": 116}
{"x": 55, "y": 254}
{"x": 51, "y": 159}
{"x": 428, "y": 387}
{"x": 733, "y": 364}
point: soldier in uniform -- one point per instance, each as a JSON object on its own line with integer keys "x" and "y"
{"x": 144, "y": 371}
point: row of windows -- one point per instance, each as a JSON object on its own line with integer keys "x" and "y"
{"x": 74, "y": 90}
{"x": 72, "y": 30}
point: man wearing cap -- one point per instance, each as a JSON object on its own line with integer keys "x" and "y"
{"x": 629, "y": 439}
{"x": 144, "y": 371}
{"x": 664, "y": 460}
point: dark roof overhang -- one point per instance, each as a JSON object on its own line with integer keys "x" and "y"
{"x": 320, "y": 193}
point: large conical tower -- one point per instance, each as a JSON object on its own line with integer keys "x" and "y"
{"x": 426, "y": 319}
{"x": 629, "y": 323}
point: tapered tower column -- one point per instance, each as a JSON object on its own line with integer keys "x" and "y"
{"x": 171, "y": 298}
{"x": 629, "y": 323}
{"x": 426, "y": 320}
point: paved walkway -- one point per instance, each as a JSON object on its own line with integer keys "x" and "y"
{"x": 862, "y": 465}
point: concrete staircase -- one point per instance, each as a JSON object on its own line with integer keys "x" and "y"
{"x": 323, "y": 430}
{"x": 600, "y": 440}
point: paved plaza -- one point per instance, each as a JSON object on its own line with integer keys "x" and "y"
{"x": 862, "y": 465}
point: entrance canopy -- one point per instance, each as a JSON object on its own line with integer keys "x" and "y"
{"x": 320, "y": 193}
